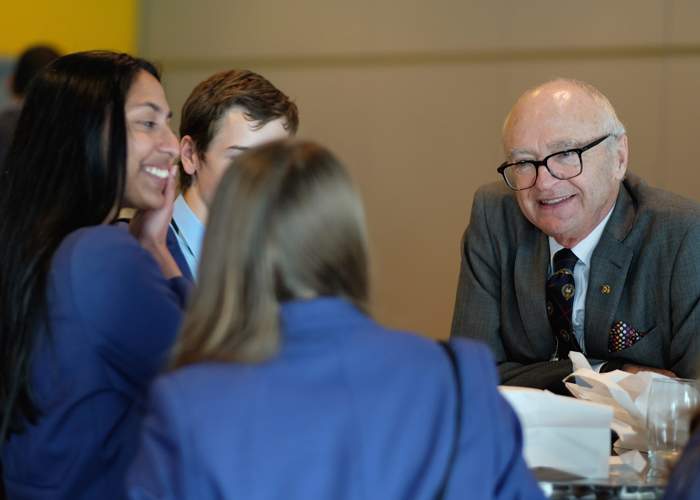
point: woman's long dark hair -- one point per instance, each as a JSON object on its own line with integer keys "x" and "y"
{"x": 65, "y": 169}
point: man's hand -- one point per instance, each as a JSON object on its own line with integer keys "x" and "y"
{"x": 631, "y": 368}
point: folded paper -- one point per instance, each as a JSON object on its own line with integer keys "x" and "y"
{"x": 562, "y": 433}
{"x": 626, "y": 393}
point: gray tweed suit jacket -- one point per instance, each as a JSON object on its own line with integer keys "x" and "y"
{"x": 645, "y": 273}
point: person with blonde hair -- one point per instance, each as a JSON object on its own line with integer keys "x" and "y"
{"x": 283, "y": 386}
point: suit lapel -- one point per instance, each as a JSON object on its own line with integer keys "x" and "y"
{"x": 531, "y": 264}
{"x": 176, "y": 252}
{"x": 606, "y": 281}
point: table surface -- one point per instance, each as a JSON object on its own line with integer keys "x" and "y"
{"x": 623, "y": 483}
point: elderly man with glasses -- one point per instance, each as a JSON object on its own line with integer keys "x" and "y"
{"x": 573, "y": 253}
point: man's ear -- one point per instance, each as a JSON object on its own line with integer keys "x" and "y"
{"x": 621, "y": 157}
{"x": 188, "y": 155}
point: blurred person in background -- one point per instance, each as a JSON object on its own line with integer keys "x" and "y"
{"x": 684, "y": 482}
{"x": 283, "y": 386}
{"x": 88, "y": 309}
{"x": 225, "y": 115}
{"x": 29, "y": 63}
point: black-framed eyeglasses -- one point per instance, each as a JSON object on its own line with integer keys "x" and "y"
{"x": 561, "y": 165}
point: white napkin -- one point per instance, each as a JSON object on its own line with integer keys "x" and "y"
{"x": 632, "y": 459}
{"x": 561, "y": 432}
{"x": 624, "y": 392}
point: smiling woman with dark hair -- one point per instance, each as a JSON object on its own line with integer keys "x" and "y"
{"x": 87, "y": 310}
{"x": 284, "y": 387}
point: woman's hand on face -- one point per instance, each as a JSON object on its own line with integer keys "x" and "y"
{"x": 150, "y": 227}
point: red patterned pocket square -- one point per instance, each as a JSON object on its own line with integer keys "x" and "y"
{"x": 623, "y": 336}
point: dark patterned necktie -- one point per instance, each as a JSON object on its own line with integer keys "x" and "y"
{"x": 560, "y": 301}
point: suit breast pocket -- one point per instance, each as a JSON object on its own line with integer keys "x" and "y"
{"x": 623, "y": 335}
{"x": 635, "y": 344}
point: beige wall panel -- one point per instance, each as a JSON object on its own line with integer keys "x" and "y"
{"x": 225, "y": 28}
{"x": 683, "y": 16}
{"x": 679, "y": 165}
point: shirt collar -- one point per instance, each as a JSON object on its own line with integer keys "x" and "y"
{"x": 190, "y": 227}
{"x": 584, "y": 249}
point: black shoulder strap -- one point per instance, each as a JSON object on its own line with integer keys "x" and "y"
{"x": 458, "y": 416}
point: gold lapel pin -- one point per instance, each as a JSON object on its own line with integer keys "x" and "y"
{"x": 605, "y": 289}
{"x": 568, "y": 291}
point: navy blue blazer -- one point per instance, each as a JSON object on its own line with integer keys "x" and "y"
{"x": 346, "y": 410}
{"x": 112, "y": 317}
{"x": 684, "y": 483}
{"x": 176, "y": 252}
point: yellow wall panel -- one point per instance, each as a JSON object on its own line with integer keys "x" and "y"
{"x": 69, "y": 25}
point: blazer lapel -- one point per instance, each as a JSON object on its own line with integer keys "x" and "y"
{"x": 176, "y": 252}
{"x": 531, "y": 264}
{"x": 609, "y": 267}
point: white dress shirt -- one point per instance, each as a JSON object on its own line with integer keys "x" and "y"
{"x": 584, "y": 251}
